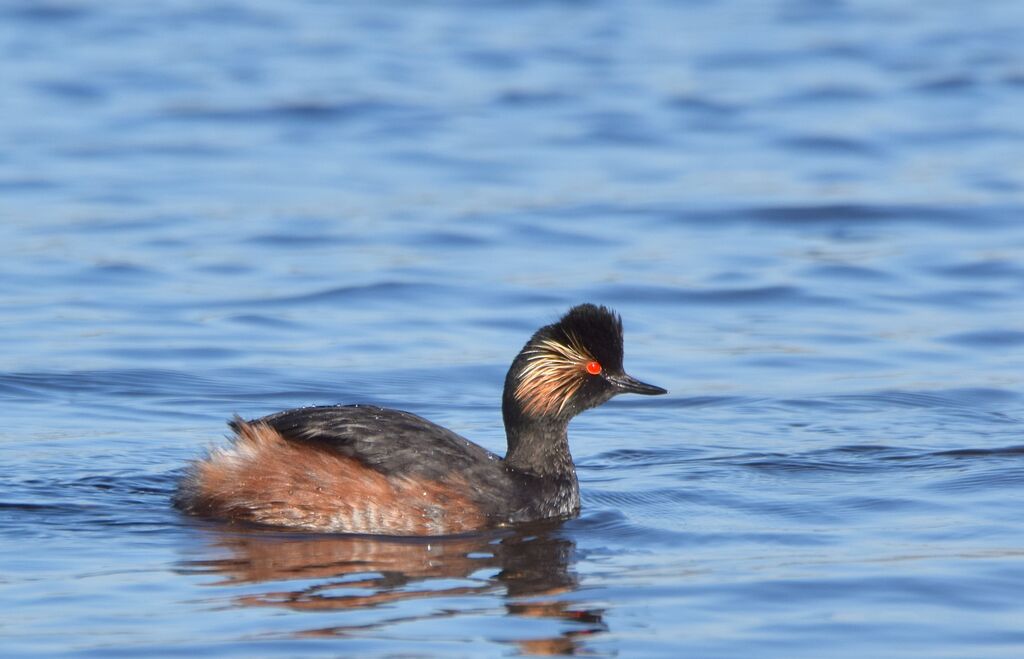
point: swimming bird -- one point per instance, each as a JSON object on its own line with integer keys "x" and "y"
{"x": 372, "y": 470}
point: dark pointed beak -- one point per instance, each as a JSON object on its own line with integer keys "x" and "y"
{"x": 627, "y": 384}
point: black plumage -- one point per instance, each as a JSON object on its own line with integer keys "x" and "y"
{"x": 391, "y": 441}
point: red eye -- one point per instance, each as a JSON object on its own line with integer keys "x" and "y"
{"x": 593, "y": 368}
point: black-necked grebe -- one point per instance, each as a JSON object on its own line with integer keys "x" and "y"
{"x": 366, "y": 469}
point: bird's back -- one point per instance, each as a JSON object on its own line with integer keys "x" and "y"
{"x": 390, "y": 441}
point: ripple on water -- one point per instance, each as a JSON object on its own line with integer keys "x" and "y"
{"x": 300, "y": 241}
{"x": 120, "y": 273}
{"x": 262, "y": 320}
{"x": 996, "y": 338}
{"x": 987, "y": 269}
{"x": 993, "y": 482}
{"x": 835, "y": 215}
{"x": 849, "y": 272}
{"x": 103, "y": 386}
{"x": 299, "y": 111}
{"x": 831, "y": 94}
{"x": 41, "y": 505}
{"x": 757, "y": 295}
{"x": 384, "y": 292}
{"x": 977, "y": 400}
{"x": 642, "y": 457}
{"x": 832, "y": 145}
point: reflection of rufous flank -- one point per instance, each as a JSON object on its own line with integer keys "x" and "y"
{"x": 549, "y": 647}
{"x": 553, "y": 609}
{"x": 312, "y": 600}
{"x": 258, "y": 557}
{"x": 347, "y": 573}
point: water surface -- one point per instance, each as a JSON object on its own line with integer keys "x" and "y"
{"x": 808, "y": 214}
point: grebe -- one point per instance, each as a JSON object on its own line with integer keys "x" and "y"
{"x": 366, "y": 469}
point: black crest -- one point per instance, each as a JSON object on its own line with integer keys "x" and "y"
{"x": 598, "y": 329}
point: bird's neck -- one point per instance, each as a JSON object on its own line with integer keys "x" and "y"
{"x": 539, "y": 447}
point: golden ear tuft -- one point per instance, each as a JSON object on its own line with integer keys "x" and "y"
{"x": 553, "y": 373}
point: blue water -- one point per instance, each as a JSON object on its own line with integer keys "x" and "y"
{"x": 810, "y": 215}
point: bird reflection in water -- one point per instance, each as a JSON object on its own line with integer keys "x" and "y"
{"x": 347, "y": 573}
